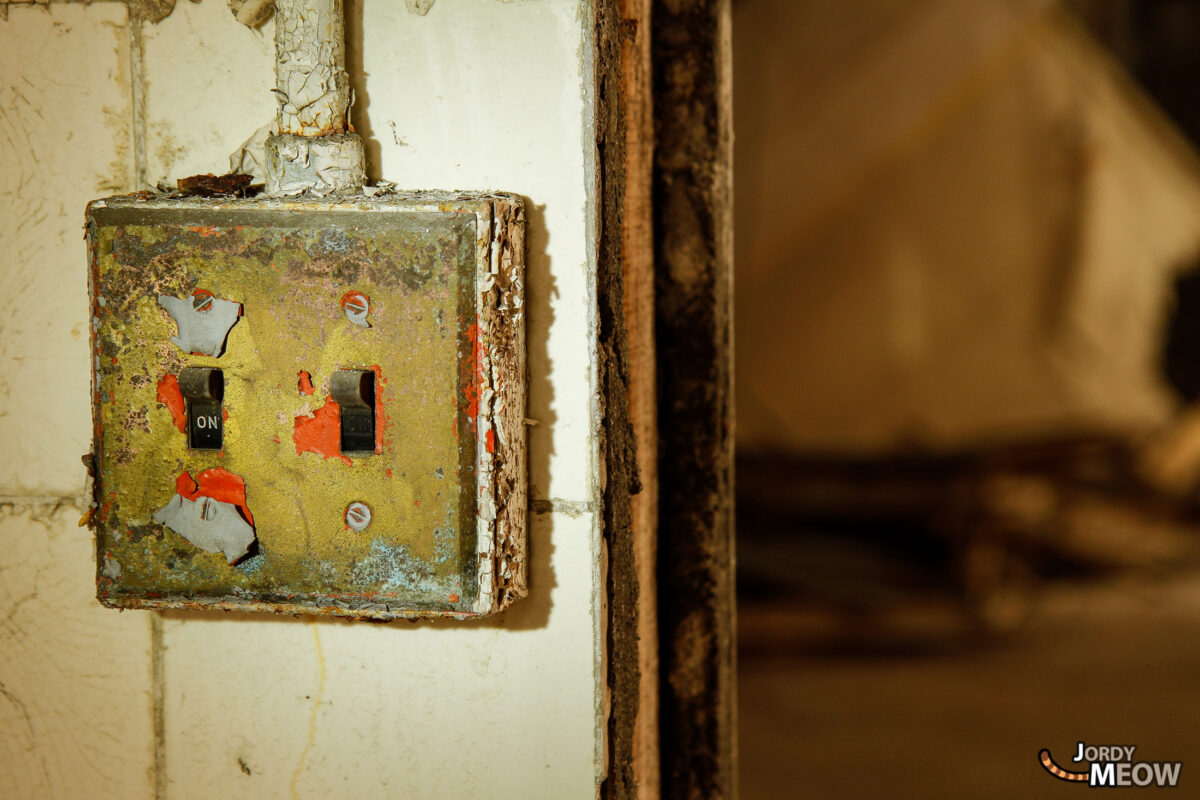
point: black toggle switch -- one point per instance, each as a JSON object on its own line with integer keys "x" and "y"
{"x": 203, "y": 388}
{"x": 354, "y": 392}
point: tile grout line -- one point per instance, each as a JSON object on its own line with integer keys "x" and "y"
{"x": 572, "y": 508}
{"x": 158, "y": 702}
{"x": 22, "y": 502}
{"x": 137, "y": 84}
{"x": 137, "y": 91}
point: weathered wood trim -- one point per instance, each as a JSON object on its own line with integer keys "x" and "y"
{"x": 626, "y": 300}
{"x": 694, "y": 324}
{"x": 618, "y": 440}
{"x": 638, "y": 304}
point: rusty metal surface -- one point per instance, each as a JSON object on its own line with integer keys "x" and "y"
{"x": 444, "y": 336}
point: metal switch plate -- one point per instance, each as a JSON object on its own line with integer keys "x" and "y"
{"x": 364, "y": 363}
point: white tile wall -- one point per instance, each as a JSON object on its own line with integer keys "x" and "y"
{"x": 478, "y": 94}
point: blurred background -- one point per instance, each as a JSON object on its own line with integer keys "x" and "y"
{"x": 968, "y": 367}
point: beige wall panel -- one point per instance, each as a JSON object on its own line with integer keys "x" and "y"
{"x": 485, "y": 95}
{"x": 64, "y": 139}
{"x": 477, "y": 95}
{"x": 75, "y": 699}
{"x": 208, "y": 88}
{"x": 260, "y": 709}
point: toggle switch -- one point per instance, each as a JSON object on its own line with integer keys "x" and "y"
{"x": 354, "y": 392}
{"x": 203, "y": 388}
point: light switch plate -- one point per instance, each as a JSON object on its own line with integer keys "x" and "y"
{"x": 420, "y": 293}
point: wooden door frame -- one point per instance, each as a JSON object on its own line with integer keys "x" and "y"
{"x": 665, "y": 275}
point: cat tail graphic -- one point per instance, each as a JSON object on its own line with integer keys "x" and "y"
{"x": 1057, "y": 771}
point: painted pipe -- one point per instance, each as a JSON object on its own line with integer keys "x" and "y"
{"x": 313, "y": 149}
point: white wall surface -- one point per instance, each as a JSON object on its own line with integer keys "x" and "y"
{"x": 478, "y": 94}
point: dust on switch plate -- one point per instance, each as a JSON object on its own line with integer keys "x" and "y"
{"x": 309, "y": 406}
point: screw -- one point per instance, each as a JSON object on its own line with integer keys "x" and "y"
{"x": 356, "y": 305}
{"x": 358, "y": 516}
{"x": 207, "y": 510}
{"x": 202, "y": 300}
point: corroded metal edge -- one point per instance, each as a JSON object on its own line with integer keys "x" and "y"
{"x": 501, "y": 462}
{"x": 500, "y": 437}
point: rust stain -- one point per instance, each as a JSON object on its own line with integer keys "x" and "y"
{"x": 209, "y": 185}
{"x": 321, "y": 433}
{"x": 170, "y": 396}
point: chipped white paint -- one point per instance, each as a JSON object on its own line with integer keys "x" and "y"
{"x": 211, "y": 525}
{"x": 312, "y": 149}
{"x": 201, "y": 330}
{"x": 330, "y": 709}
{"x": 322, "y": 165}
{"x": 311, "y": 86}
{"x": 251, "y": 12}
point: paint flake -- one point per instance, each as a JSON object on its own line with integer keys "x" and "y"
{"x": 201, "y": 331}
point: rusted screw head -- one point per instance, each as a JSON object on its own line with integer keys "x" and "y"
{"x": 356, "y": 306}
{"x": 358, "y": 516}
{"x": 208, "y": 510}
{"x": 202, "y": 300}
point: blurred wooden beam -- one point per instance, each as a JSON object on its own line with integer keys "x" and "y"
{"x": 691, "y": 60}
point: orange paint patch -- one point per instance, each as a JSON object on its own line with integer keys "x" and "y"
{"x": 388, "y": 472}
{"x": 275, "y": 439}
{"x": 472, "y": 372}
{"x": 491, "y": 441}
{"x": 217, "y": 483}
{"x": 205, "y": 230}
{"x": 305, "y": 384}
{"x": 184, "y": 484}
{"x": 321, "y": 433}
{"x": 453, "y": 598}
{"x": 355, "y": 297}
{"x": 170, "y": 396}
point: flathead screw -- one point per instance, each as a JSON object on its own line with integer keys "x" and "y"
{"x": 358, "y": 516}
